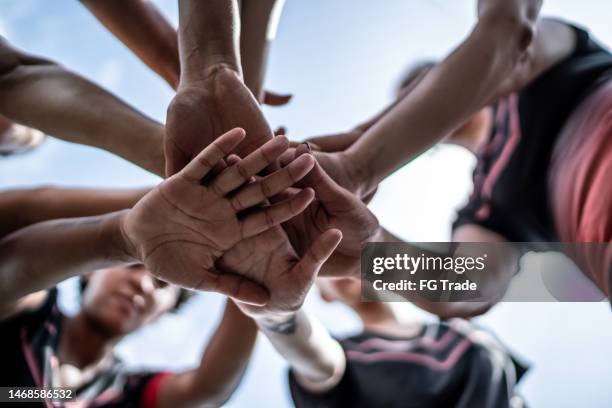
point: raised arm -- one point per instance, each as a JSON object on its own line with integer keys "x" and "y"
{"x": 222, "y": 366}
{"x": 144, "y": 30}
{"x": 260, "y": 19}
{"x": 23, "y": 207}
{"x": 212, "y": 97}
{"x": 43, "y": 95}
{"x": 503, "y": 53}
{"x": 316, "y": 359}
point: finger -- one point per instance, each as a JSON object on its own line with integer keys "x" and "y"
{"x": 368, "y": 197}
{"x": 325, "y": 187}
{"x": 232, "y": 159}
{"x": 273, "y": 184}
{"x": 287, "y": 157}
{"x": 335, "y": 143}
{"x": 212, "y": 154}
{"x": 175, "y": 158}
{"x": 239, "y": 288}
{"x": 241, "y": 172}
{"x": 319, "y": 252}
{"x": 217, "y": 169}
{"x": 273, "y": 215}
{"x": 280, "y": 131}
{"x": 275, "y": 99}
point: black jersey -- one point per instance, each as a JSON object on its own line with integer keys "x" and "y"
{"x": 449, "y": 364}
{"x": 29, "y": 343}
{"x": 511, "y": 193}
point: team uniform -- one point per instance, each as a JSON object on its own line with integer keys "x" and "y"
{"x": 450, "y": 364}
{"x": 545, "y": 174}
{"x": 30, "y": 341}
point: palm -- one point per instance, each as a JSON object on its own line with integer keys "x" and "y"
{"x": 346, "y": 213}
{"x": 198, "y": 226}
{"x": 203, "y": 110}
{"x": 269, "y": 259}
{"x": 182, "y": 228}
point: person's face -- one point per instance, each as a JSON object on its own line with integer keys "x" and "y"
{"x": 345, "y": 290}
{"x": 122, "y": 299}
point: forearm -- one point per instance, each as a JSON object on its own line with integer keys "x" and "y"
{"x": 260, "y": 20}
{"x": 20, "y": 208}
{"x": 317, "y": 359}
{"x": 470, "y": 78}
{"x": 222, "y": 366}
{"x": 209, "y": 35}
{"x": 42, "y": 255}
{"x": 141, "y": 27}
{"x": 48, "y": 97}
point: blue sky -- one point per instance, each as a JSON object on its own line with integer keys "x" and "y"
{"x": 341, "y": 59}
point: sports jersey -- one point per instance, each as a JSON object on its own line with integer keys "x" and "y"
{"x": 451, "y": 364}
{"x": 29, "y": 343}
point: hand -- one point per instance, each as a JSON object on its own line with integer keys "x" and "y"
{"x": 330, "y": 152}
{"x": 204, "y": 109}
{"x": 337, "y": 163}
{"x": 180, "y": 229}
{"x": 335, "y": 207}
{"x": 269, "y": 259}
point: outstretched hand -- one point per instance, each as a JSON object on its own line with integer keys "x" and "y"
{"x": 269, "y": 259}
{"x": 334, "y": 207}
{"x": 202, "y": 110}
{"x": 180, "y": 229}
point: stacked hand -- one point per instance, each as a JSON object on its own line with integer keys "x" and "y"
{"x": 335, "y": 207}
{"x": 180, "y": 229}
{"x": 204, "y": 109}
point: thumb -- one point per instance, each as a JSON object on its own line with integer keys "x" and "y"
{"x": 326, "y": 189}
{"x": 319, "y": 252}
{"x": 239, "y": 288}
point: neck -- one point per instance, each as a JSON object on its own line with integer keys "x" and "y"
{"x": 83, "y": 344}
{"x": 376, "y": 316}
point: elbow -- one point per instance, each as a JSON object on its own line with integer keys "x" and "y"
{"x": 509, "y": 38}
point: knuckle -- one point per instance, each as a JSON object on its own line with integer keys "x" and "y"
{"x": 266, "y": 189}
{"x": 242, "y": 171}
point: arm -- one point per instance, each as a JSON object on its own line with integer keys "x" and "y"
{"x": 20, "y": 208}
{"x": 209, "y": 35}
{"x": 29, "y": 259}
{"x": 142, "y": 28}
{"x": 317, "y": 360}
{"x": 222, "y": 366}
{"x": 212, "y": 97}
{"x": 497, "y": 58}
{"x": 43, "y": 95}
{"x": 260, "y": 20}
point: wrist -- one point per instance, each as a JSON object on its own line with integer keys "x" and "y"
{"x": 361, "y": 175}
{"x": 120, "y": 248}
{"x": 277, "y": 322}
{"x": 202, "y": 68}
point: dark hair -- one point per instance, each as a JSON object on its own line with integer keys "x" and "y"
{"x": 183, "y": 296}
